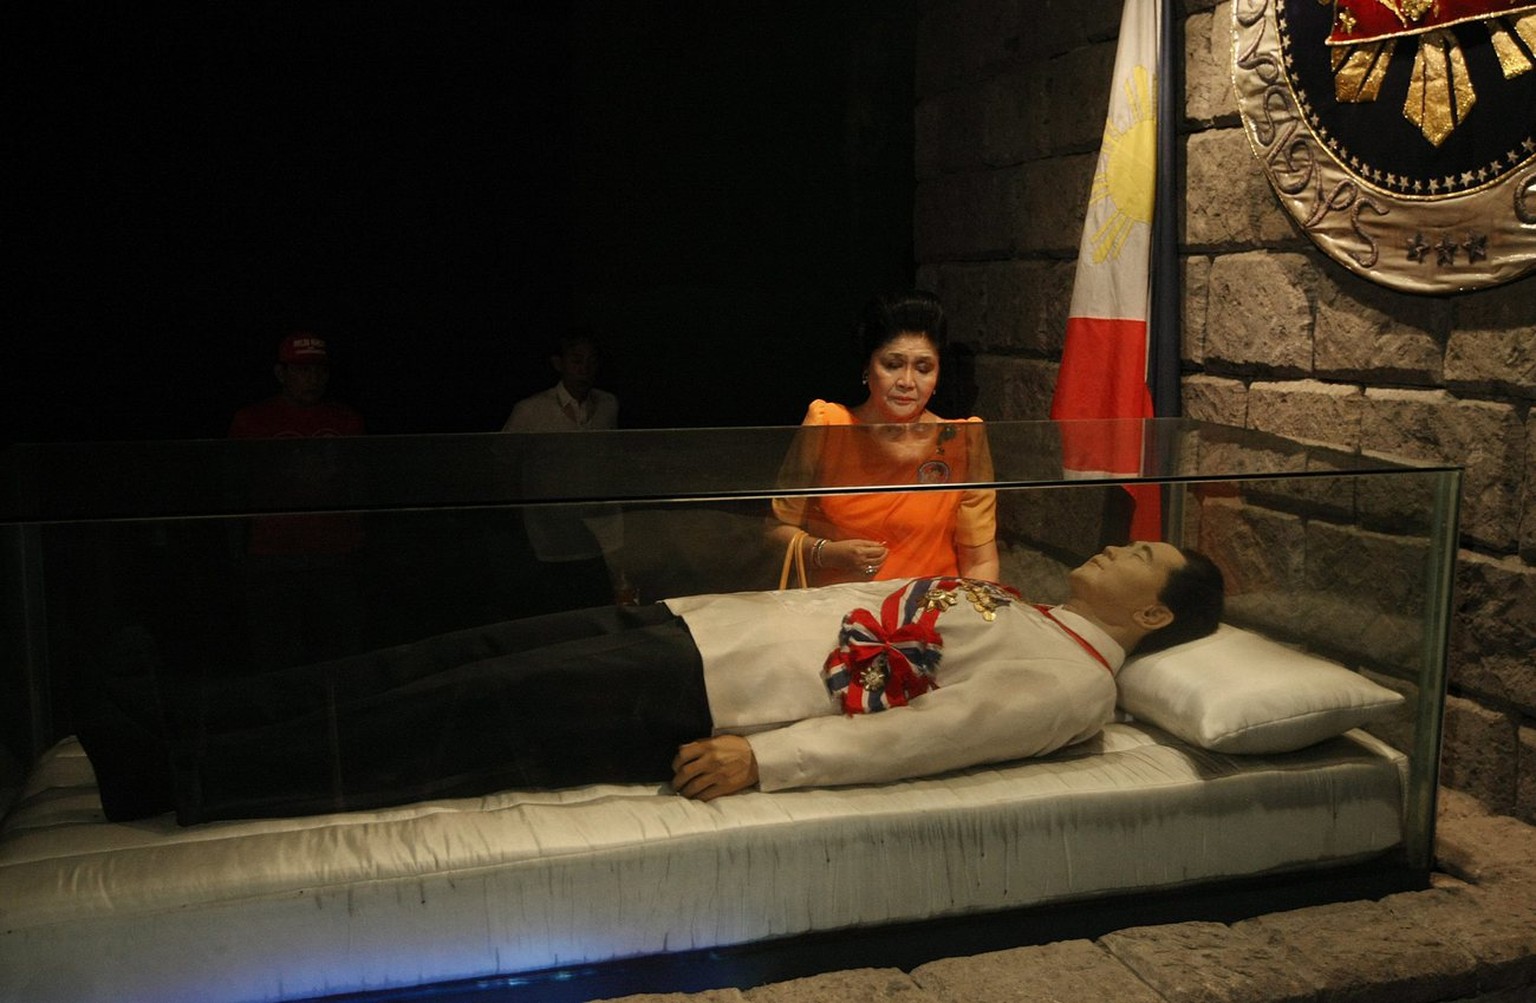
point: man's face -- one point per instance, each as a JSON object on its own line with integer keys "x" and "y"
{"x": 1121, "y": 584}
{"x": 577, "y": 366}
{"x": 304, "y": 383}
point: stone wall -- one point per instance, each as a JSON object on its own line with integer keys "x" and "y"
{"x": 1276, "y": 337}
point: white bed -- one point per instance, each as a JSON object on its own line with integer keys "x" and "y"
{"x": 295, "y": 908}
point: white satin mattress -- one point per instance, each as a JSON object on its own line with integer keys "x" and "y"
{"x": 292, "y": 908}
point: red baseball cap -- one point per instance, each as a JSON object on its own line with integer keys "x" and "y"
{"x": 302, "y": 348}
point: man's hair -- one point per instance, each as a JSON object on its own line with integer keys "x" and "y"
{"x": 1196, "y": 593}
{"x": 569, "y": 337}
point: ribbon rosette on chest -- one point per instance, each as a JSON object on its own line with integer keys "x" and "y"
{"x": 887, "y": 660}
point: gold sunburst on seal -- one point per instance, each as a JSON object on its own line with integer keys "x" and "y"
{"x": 1358, "y": 112}
{"x": 1441, "y": 92}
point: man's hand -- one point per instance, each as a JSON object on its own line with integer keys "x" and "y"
{"x": 713, "y": 767}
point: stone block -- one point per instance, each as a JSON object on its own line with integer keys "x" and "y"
{"x": 1525, "y": 776}
{"x": 1404, "y": 501}
{"x": 1320, "y": 497}
{"x": 1493, "y": 633}
{"x": 1052, "y": 197}
{"x": 1528, "y": 495}
{"x": 1258, "y": 550}
{"x": 1213, "y": 963}
{"x": 1366, "y": 596}
{"x": 1077, "y": 91}
{"x": 1484, "y": 437}
{"x": 1366, "y": 331}
{"x": 961, "y": 286}
{"x": 1208, "y": 94}
{"x": 1037, "y": 576}
{"x": 1509, "y": 307}
{"x": 929, "y": 276}
{"x": 1057, "y": 26}
{"x": 1518, "y": 994}
{"x": 964, "y": 41}
{"x": 1480, "y": 754}
{"x": 1499, "y": 931}
{"x": 1308, "y": 410}
{"x": 868, "y": 985}
{"x": 1494, "y": 341}
{"x": 970, "y": 215}
{"x": 1363, "y": 953}
{"x": 1227, "y": 198}
{"x": 1487, "y": 850}
{"x": 1014, "y": 112}
{"x": 1271, "y": 559}
{"x": 1396, "y": 728}
{"x": 1260, "y": 315}
{"x": 1380, "y": 572}
{"x": 1218, "y": 456}
{"x": 1196, "y": 273}
{"x": 1452, "y": 806}
{"x": 945, "y": 127}
{"x": 1500, "y": 360}
{"x": 1067, "y": 521}
{"x": 1007, "y": 306}
{"x": 1065, "y": 970}
{"x": 706, "y": 996}
{"x": 1011, "y": 389}
{"x": 997, "y": 122}
{"x": 1212, "y": 398}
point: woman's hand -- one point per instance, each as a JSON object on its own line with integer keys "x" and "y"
{"x": 714, "y": 767}
{"x": 861, "y": 558}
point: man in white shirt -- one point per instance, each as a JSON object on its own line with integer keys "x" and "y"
{"x": 574, "y": 403}
{"x": 578, "y": 546}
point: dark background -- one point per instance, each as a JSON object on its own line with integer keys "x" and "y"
{"x": 437, "y": 188}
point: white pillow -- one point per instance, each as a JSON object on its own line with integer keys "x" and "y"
{"x": 1235, "y": 691}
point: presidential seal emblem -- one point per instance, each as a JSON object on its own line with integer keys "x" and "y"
{"x": 1400, "y": 135}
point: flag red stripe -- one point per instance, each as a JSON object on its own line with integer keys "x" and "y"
{"x": 1103, "y": 371}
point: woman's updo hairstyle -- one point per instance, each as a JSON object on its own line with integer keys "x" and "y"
{"x": 885, "y": 317}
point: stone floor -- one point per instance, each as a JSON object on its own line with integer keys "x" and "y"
{"x": 1470, "y": 936}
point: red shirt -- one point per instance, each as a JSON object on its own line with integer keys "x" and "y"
{"x": 280, "y": 418}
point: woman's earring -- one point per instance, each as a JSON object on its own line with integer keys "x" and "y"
{"x": 864, "y": 379}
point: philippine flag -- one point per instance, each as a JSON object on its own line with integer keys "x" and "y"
{"x": 1104, "y": 362}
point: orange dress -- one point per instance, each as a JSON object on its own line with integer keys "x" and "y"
{"x": 921, "y": 529}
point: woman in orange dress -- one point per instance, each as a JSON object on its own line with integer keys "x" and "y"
{"x": 891, "y": 438}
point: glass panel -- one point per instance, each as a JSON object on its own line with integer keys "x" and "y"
{"x": 203, "y": 478}
{"x": 209, "y": 558}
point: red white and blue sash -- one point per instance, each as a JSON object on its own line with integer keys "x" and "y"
{"x": 886, "y": 661}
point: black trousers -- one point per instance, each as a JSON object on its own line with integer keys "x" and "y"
{"x": 604, "y": 694}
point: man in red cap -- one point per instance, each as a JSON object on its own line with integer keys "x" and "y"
{"x": 300, "y": 409}
{"x": 302, "y": 599}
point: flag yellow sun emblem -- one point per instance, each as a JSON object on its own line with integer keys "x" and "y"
{"x": 1122, "y": 192}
